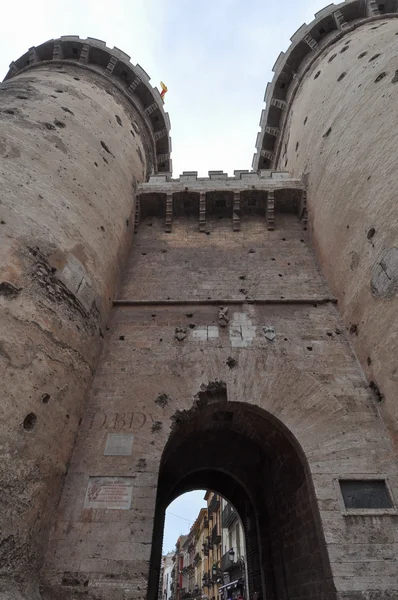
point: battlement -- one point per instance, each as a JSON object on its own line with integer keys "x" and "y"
{"x": 262, "y": 192}
{"x": 115, "y": 65}
{"x": 242, "y": 175}
{"x": 330, "y": 24}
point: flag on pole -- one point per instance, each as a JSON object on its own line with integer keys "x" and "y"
{"x": 164, "y": 89}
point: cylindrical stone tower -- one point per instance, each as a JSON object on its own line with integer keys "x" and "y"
{"x": 80, "y": 127}
{"x": 331, "y": 117}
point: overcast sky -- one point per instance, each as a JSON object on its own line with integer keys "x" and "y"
{"x": 180, "y": 516}
{"x": 215, "y": 56}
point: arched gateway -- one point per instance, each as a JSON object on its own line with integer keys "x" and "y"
{"x": 250, "y": 458}
{"x": 124, "y": 292}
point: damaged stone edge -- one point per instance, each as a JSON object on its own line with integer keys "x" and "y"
{"x": 115, "y": 65}
{"x": 213, "y": 393}
{"x": 330, "y": 24}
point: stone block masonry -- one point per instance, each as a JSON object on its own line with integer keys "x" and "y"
{"x": 73, "y": 147}
{"x": 306, "y": 375}
{"x": 206, "y": 351}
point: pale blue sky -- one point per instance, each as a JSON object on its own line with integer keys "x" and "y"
{"x": 214, "y": 55}
{"x": 216, "y": 58}
{"x": 180, "y": 516}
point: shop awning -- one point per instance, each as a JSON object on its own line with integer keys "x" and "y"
{"x": 228, "y": 586}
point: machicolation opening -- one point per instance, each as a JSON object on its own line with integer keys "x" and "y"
{"x": 332, "y": 58}
{"x": 374, "y": 57}
{"x": 317, "y": 75}
{"x": 342, "y": 76}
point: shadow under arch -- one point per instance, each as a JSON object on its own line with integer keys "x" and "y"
{"x": 248, "y": 456}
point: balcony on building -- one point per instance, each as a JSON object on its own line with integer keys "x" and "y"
{"x": 214, "y": 504}
{"x": 215, "y": 536}
{"x": 229, "y": 515}
{"x": 228, "y": 560}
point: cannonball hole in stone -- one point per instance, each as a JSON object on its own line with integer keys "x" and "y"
{"x": 371, "y": 233}
{"x": 29, "y": 421}
{"x": 380, "y": 77}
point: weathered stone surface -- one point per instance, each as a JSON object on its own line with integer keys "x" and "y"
{"x": 307, "y": 378}
{"x": 352, "y": 188}
{"x": 264, "y": 400}
{"x": 64, "y": 202}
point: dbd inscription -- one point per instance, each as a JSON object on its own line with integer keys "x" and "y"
{"x": 133, "y": 421}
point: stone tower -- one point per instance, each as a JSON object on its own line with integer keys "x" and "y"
{"x": 240, "y": 308}
{"x": 81, "y": 127}
{"x": 328, "y": 119}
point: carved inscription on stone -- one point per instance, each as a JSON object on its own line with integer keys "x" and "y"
{"x": 109, "y": 493}
{"x": 119, "y": 444}
{"x": 119, "y": 421}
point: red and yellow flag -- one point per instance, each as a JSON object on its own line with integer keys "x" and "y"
{"x": 164, "y": 89}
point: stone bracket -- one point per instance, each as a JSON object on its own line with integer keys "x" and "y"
{"x": 160, "y": 134}
{"x": 169, "y": 213}
{"x": 272, "y": 130}
{"x": 267, "y": 154}
{"x": 83, "y": 58}
{"x": 134, "y": 84}
{"x": 137, "y": 213}
{"x": 13, "y": 68}
{"x": 151, "y": 108}
{"x": 236, "y": 212}
{"x": 160, "y": 158}
{"x": 313, "y": 44}
{"x": 111, "y": 65}
{"x": 58, "y": 52}
{"x": 270, "y": 211}
{"x": 282, "y": 104}
{"x": 202, "y": 211}
{"x": 303, "y": 214}
{"x": 341, "y": 23}
{"x": 33, "y": 58}
{"x": 372, "y": 8}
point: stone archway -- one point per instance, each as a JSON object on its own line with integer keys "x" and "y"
{"x": 250, "y": 458}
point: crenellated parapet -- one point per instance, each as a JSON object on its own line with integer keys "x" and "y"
{"x": 264, "y": 192}
{"x": 114, "y": 65}
{"x": 330, "y": 24}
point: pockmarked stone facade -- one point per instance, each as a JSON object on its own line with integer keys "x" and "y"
{"x": 236, "y": 334}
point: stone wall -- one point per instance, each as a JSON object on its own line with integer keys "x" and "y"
{"x": 340, "y": 135}
{"x": 72, "y": 150}
{"x": 306, "y": 378}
